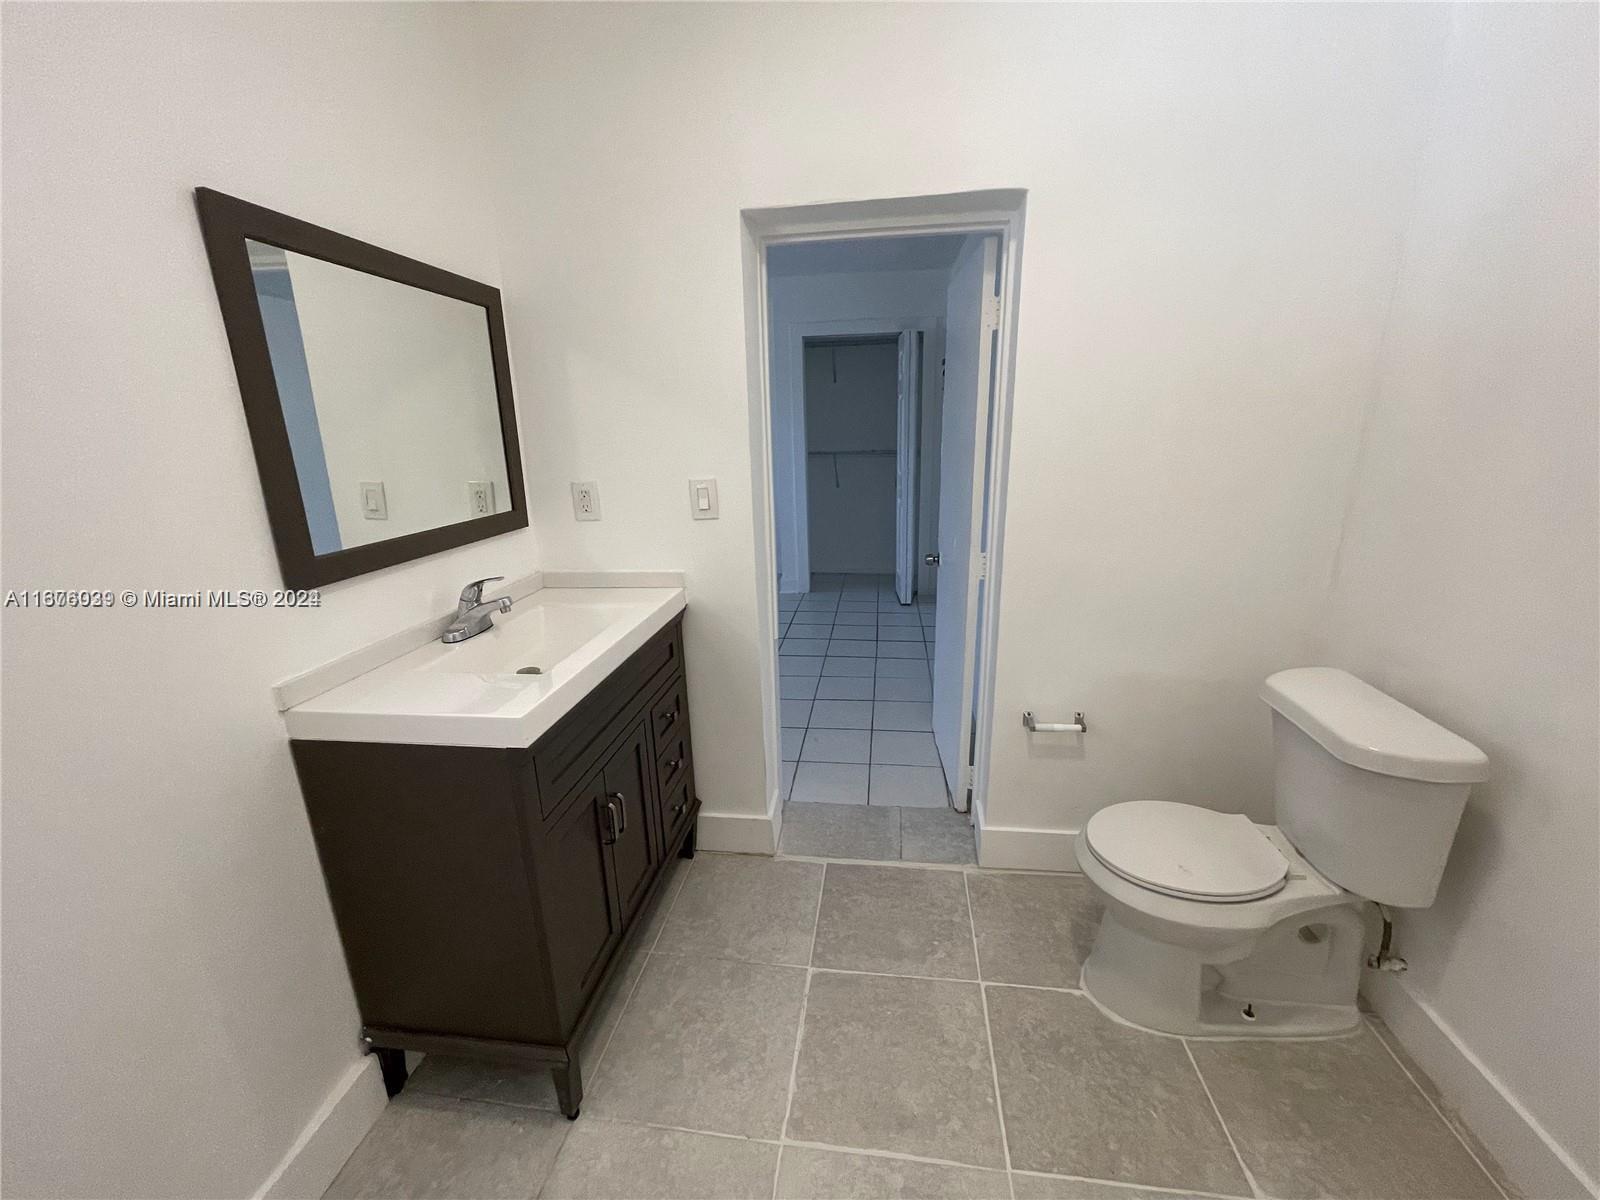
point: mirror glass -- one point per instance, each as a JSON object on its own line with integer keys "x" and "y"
{"x": 388, "y": 395}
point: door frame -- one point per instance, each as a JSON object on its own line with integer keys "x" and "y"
{"x": 791, "y": 340}
{"x": 997, "y": 211}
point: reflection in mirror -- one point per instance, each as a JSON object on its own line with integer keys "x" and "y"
{"x": 388, "y": 394}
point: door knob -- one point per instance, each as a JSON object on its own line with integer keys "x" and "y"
{"x": 931, "y": 559}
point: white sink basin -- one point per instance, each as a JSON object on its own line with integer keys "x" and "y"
{"x": 475, "y": 693}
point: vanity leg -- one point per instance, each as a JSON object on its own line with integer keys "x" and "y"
{"x": 569, "y": 1088}
{"x": 687, "y": 849}
{"x": 393, "y": 1065}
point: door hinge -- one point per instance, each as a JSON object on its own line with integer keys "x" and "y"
{"x": 991, "y": 312}
{"x": 983, "y": 564}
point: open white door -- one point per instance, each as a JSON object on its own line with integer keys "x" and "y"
{"x": 972, "y": 317}
{"x": 908, "y": 426}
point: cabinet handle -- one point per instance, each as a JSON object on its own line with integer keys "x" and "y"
{"x": 622, "y": 810}
{"x": 611, "y": 824}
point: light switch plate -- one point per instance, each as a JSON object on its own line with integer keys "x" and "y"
{"x": 374, "y": 504}
{"x": 586, "y": 501}
{"x": 703, "y": 499}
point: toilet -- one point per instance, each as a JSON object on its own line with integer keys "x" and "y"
{"x": 1214, "y": 926}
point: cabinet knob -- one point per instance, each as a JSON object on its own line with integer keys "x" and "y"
{"x": 669, "y": 717}
{"x": 674, "y": 763}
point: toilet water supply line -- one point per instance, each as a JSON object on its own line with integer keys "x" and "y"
{"x": 1383, "y": 960}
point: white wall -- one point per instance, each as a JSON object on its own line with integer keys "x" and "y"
{"x": 176, "y": 1004}
{"x": 1216, "y": 201}
{"x": 1467, "y": 580}
{"x": 851, "y": 402}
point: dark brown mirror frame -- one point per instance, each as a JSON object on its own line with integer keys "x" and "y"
{"x": 225, "y": 223}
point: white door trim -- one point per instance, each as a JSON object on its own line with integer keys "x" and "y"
{"x": 907, "y": 445}
{"x": 999, "y": 211}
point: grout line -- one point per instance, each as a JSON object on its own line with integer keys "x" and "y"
{"x": 988, "y": 1035}
{"x": 799, "y": 1034}
{"x": 1438, "y": 1112}
{"x": 1255, "y": 1188}
{"x": 1139, "y": 1187}
{"x": 896, "y": 1155}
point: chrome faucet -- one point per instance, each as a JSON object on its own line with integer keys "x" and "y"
{"x": 475, "y": 614}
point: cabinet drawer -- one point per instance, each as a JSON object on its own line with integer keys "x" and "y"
{"x": 676, "y": 805}
{"x": 669, "y": 715}
{"x": 672, "y": 757}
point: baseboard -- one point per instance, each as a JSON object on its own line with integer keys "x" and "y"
{"x": 330, "y": 1137}
{"x": 1009, "y": 847}
{"x": 1533, "y": 1161}
{"x": 739, "y": 833}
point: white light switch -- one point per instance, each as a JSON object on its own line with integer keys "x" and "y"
{"x": 703, "y": 499}
{"x": 374, "y": 505}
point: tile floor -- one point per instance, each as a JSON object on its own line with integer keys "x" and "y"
{"x": 788, "y": 1028}
{"x": 856, "y": 693}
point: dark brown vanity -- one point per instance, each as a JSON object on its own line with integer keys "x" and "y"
{"x": 482, "y": 894}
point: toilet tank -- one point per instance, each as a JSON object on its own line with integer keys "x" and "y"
{"x": 1370, "y": 791}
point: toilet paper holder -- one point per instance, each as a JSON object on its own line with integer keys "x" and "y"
{"x": 1033, "y": 725}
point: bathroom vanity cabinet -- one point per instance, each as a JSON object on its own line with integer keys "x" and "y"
{"x": 482, "y": 894}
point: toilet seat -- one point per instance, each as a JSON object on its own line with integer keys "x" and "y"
{"x": 1187, "y": 852}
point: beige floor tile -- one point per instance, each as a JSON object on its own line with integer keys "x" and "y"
{"x": 840, "y": 831}
{"x": 741, "y": 906}
{"x": 1056, "y": 1187}
{"x": 705, "y": 1044}
{"x": 607, "y": 1160}
{"x": 434, "y": 1146}
{"x": 1085, "y": 1096}
{"x": 808, "y": 1174}
{"x": 936, "y": 835}
{"x": 896, "y": 1064}
{"x": 1033, "y": 929}
{"x": 897, "y": 920}
{"x": 1335, "y": 1117}
{"x": 1420, "y": 1077}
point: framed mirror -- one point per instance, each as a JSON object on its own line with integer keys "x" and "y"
{"x": 376, "y": 389}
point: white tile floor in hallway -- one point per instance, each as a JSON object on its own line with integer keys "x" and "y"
{"x": 857, "y": 695}
{"x": 787, "y": 1028}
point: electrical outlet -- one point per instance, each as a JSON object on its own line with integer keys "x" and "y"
{"x": 480, "y": 497}
{"x": 586, "y": 501}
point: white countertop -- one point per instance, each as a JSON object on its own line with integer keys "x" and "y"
{"x": 471, "y": 694}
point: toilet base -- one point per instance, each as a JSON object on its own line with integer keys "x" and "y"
{"x": 1279, "y": 983}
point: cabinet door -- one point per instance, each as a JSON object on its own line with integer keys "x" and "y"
{"x": 582, "y": 919}
{"x": 628, "y": 780}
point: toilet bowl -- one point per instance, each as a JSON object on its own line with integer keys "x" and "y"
{"x": 1214, "y": 926}
{"x": 1235, "y": 934}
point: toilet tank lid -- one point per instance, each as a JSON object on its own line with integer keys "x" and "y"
{"x": 1358, "y": 724}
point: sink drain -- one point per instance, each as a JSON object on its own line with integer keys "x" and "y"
{"x": 530, "y": 670}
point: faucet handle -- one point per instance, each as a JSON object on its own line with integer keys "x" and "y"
{"x": 473, "y": 592}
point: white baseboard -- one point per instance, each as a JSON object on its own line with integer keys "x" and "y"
{"x": 1534, "y": 1162}
{"x": 1020, "y": 849}
{"x": 739, "y": 833}
{"x": 330, "y": 1137}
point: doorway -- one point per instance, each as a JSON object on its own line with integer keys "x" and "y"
{"x": 883, "y": 395}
